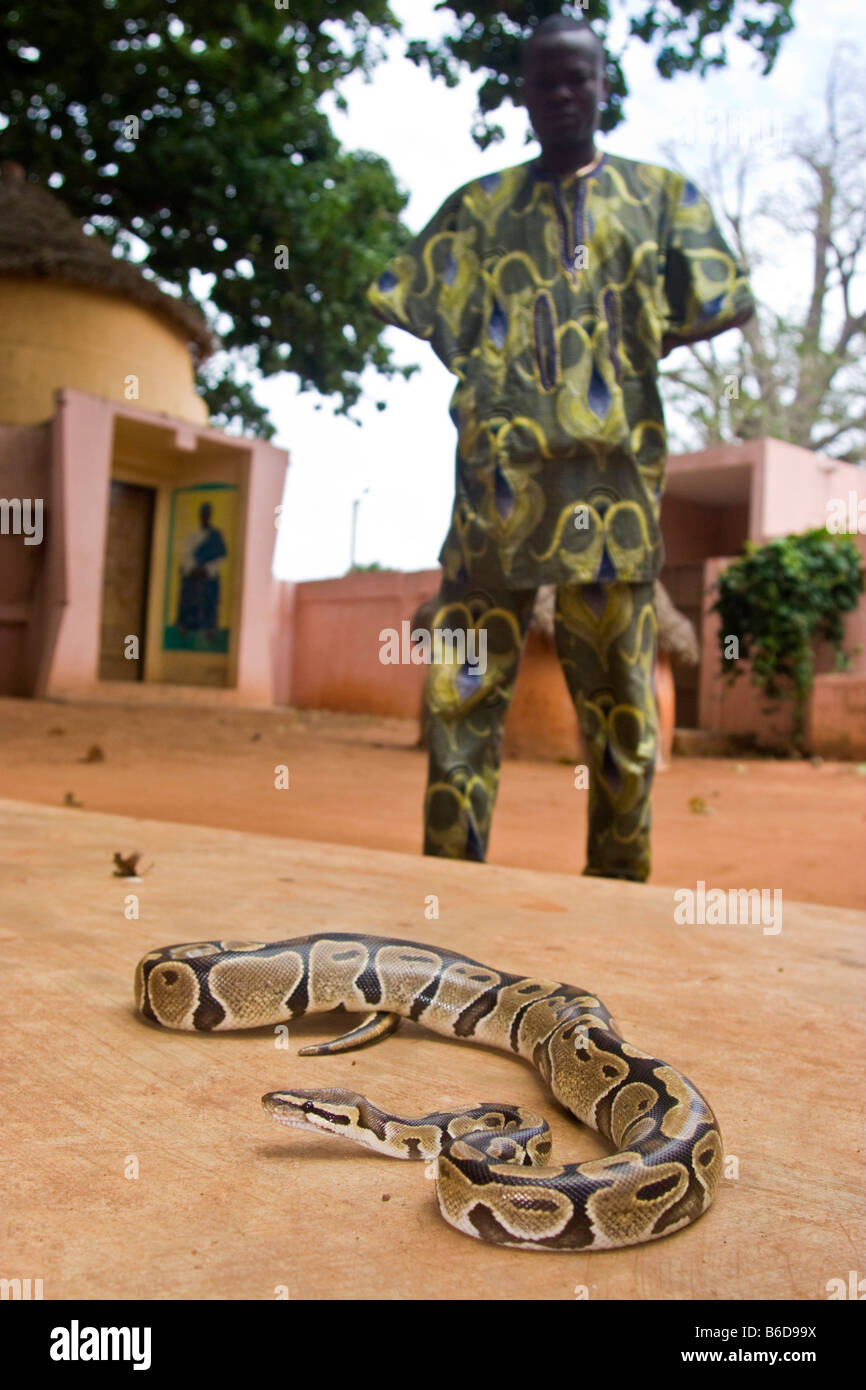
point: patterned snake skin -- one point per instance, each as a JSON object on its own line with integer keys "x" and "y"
{"x": 494, "y": 1180}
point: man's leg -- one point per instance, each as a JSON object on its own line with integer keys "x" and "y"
{"x": 464, "y": 708}
{"x": 606, "y": 641}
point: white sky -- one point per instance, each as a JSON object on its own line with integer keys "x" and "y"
{"x": 405, "y": 454}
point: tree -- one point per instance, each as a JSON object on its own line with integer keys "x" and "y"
{"x": 796, "y": 374}
{"x": 195, "y": 131}
{"x": 197, "y": 128}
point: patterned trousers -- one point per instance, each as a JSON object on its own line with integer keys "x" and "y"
{"x": 606, "y": 643}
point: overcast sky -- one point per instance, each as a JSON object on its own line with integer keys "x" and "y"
{"x": 404, "y": 456}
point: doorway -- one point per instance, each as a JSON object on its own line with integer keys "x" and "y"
{"x": 126, "y": 580}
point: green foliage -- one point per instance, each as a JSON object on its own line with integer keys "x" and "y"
{"x": 688, "y": 35}
{"x": 232, "y": 406}
{"x": 234, "y": 158}
{"x": 778, "y": 599}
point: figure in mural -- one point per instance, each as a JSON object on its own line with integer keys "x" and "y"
{"x": 550, "y": 290}
{"x": 198, "y": 602}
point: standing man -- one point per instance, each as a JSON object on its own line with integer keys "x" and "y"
{"x": 550, "y": 290}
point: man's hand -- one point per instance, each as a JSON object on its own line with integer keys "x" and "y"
{"x": 671, "y": 340}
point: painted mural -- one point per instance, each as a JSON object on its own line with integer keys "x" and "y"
{"x": 200, "y": 578}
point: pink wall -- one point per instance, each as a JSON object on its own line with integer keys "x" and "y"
{"x": 327, "y": 657}
{"x": 83, "y": 438}
{"x": 796, "y": 485}
{"x": 326, "y": 651}
{"x": 317, "y": 645}
{"x": 266, "y": 472}
{"x": 81, "y": 473}
{"x": 837, "y": 716}
{"x": 282, "y": 606}
{"x": 788, "y": 489}
{"x": 50, "y": 635}
{"x": 335, "y": 626}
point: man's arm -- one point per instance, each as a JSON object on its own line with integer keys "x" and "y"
{"x": 674, "y": 340}
{"x": 431, "y": 288}
{"x": 705, "y": 290}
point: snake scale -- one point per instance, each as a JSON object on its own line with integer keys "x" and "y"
{"x": 493, "y": 1176}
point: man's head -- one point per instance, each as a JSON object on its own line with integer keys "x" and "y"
{"x": 204, "y": 515}
{"x": 563, "y": 83}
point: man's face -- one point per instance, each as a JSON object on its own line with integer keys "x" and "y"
{"x": 564, "y": 82}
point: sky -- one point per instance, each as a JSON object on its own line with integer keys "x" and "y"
{"x": 400, "y": 462}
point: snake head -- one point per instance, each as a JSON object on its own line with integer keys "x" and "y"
{"x": 333, "y": 1111}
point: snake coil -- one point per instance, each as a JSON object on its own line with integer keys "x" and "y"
{"x": 493, "y": 1176}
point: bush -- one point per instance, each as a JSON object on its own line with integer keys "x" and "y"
{"x": 777, "y": 600}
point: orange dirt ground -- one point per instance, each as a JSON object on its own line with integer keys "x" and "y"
{"x": 358, "y": 780}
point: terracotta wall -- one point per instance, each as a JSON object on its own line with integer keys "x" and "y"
{"x": 837, "y": 717}
{"x": 694, "y": 530}
{"x": 334, "y": 627}
{"x": 327, "y": 644}
{"x": 326, "y": 656}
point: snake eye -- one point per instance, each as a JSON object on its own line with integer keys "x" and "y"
{"x": 308, "y": 1105}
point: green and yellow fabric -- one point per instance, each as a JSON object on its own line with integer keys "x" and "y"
{"x": 549, "y": 300}
{"x": 606, "y": 641}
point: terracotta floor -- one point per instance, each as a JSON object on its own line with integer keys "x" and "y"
{"x": 226, "y": 1205}
{"x": 355, "y": 780}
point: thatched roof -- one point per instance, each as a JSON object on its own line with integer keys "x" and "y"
{"x": 40, "y": 237}
{"x": 676, "y": 634}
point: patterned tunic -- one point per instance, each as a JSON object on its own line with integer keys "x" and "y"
{"x": 548, "y": 299}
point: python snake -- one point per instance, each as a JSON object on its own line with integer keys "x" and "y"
{"x": 493, "y": 1177}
